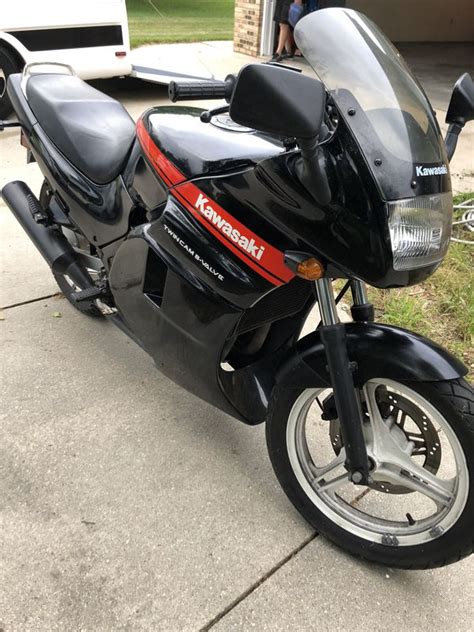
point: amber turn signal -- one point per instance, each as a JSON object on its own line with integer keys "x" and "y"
{"x": 310, "y": 269}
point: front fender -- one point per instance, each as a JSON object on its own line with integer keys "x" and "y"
{"x": 379, "y": 351}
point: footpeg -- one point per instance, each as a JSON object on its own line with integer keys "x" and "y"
{"x": 37, "y": 212}
{"x": 89, "y": 294}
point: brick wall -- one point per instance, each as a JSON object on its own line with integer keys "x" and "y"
{"x": 248, "y": 25}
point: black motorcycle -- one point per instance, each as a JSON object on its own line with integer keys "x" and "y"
{"x": 209, "y": 236}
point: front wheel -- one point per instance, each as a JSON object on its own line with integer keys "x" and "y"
{"x": 418, "y": 511}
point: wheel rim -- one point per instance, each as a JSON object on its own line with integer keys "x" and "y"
{"x": 435, "y": 500}
{"x": 3, "y": 83}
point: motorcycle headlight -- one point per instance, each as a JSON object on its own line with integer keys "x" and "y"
{"x": 420, "y": 229}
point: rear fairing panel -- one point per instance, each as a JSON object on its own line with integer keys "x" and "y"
{"x": 100, "y": 211}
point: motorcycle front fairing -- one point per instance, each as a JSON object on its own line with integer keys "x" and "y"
{"x": 394, "y": 126}
{"x": 379, "y": 98}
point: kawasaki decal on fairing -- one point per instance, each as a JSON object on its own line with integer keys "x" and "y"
{"x": 258, "y": 254}
{"x": 431, "y": 171}
{"x": 246, "y": 243}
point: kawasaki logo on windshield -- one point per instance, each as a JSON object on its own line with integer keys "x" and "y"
{"x": 249, "y": 245}
{"x": 431, "y": 171}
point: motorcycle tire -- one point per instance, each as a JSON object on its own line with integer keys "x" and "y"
{"x": 8, "y": 66}
{"x": 411, "y": 543}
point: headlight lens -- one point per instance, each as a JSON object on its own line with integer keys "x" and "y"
{"x": 420, "y": 229}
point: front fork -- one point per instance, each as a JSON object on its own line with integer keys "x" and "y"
{"x": 346, "y": 397}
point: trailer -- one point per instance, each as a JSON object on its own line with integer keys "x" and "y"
{"x": 90, "y": 36}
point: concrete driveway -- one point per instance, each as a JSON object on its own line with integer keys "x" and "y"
{"x": 127, "y": 504}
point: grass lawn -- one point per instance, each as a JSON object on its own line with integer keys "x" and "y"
{"x": 155, "y": 21}
{"x": 441, "y": 308}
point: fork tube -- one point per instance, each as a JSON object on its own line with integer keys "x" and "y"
{"x": 359, "y": 292}
{"x": 326, "y": 302}
{"x": 333, "y": 337}
{"x": 362, "y": 310}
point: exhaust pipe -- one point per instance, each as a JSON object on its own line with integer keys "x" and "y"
{"x": 50, "y": 241}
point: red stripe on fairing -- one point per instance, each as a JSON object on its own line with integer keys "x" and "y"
{"x": 230, "y": 245}
{"x": 165, "y": 168}
{"x": 271, "y": 266}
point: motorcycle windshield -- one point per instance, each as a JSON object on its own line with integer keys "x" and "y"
{"x": 379, "y": 98}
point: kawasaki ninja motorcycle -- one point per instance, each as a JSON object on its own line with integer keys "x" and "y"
{"x": 209, "y": 236}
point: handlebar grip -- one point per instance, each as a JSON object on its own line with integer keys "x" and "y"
{"x": 193, "y": 90}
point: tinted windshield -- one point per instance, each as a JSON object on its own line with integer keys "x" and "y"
{"x": 367, "y": 77}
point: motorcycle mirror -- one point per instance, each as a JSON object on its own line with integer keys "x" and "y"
{"x": 461, "y": 106}
{"x": 278, "y": 101}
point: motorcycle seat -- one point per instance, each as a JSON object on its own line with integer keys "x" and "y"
{"x": 92, "y": 130}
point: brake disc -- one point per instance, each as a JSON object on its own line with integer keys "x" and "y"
{"x": 401, "y": 411}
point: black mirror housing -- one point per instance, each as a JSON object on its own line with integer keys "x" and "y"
{"x": 278, "y": 101}
{"x": 461, "y": 106}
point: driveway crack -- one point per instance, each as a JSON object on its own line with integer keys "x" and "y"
{"x": 33, "y": 300}
{"x": 258, "y": 583}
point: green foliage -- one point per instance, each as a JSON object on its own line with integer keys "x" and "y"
{"x": 159, "y": 21}
{"x": 441, "y": 308}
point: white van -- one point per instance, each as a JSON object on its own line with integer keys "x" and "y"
{"x": 91, "y": 36}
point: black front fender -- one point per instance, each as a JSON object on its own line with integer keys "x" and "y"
{"x": 379, "y": 351}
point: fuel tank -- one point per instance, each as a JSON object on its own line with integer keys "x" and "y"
{"x": 198, "y": 149}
